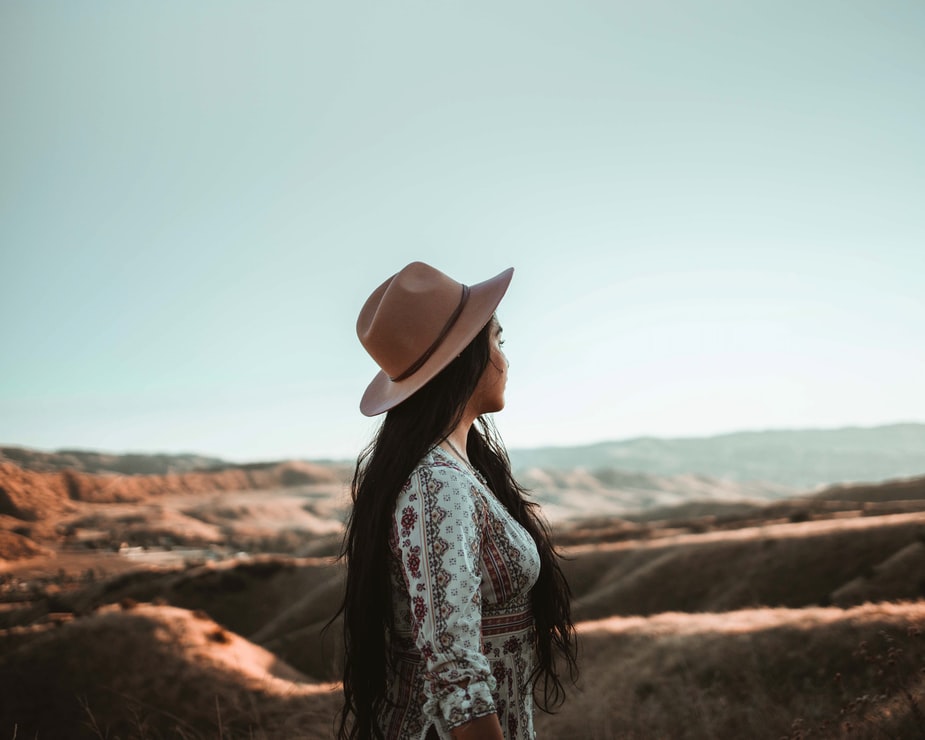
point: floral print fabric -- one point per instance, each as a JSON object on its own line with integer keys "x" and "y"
{"x": 463, "y": 641}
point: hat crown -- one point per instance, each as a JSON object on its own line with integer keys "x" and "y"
{"x": 406, "y": 315}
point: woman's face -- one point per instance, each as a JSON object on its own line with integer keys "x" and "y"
{"x": 489, "y": 393}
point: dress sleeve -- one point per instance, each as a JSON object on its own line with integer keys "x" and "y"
{"x": 438, "y": 526}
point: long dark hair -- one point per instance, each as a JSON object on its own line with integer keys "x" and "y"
{"x": 408, "y": 432}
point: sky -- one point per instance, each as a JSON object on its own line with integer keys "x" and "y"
{"x": 714, "y": 211}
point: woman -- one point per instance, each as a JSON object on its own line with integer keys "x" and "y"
{"x": 455, "y": 605}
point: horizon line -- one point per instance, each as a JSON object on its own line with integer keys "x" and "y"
{"x": 552, "y": 446}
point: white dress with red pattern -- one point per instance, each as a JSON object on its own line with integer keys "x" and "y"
{"x": 463, "y": 643}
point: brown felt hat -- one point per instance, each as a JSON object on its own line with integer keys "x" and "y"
{"x": 416, "y": 323}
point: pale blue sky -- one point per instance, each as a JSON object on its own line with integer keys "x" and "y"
{"x": 714, "y": 209}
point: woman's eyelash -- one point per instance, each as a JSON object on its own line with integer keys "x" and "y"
{"x": 500, "y": 342}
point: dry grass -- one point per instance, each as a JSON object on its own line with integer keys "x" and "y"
{"x": 155, "y": 671}
{"x": 782, "y": 564}
{"x": 902, "y": 489}
{"x": 765, "y": 673}
{"x": 158, "y": 672}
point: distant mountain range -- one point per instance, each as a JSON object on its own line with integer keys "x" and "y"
{"x": 794, "y": 459}
{"x": 800, "y": 458}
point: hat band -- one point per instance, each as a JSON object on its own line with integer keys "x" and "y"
{"x": 419, "y": 363}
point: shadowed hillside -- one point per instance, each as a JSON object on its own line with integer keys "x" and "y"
{"x": 786, "y": 564}
{"x": 766, "y": 673}
{"x": 157, "y": 671}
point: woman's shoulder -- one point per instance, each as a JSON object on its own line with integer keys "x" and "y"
{"x": 438, "y": 475}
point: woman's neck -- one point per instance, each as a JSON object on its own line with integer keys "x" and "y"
{"x": 460, "y": 436}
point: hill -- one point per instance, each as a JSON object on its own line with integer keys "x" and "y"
{"x": 154, "y": 671}
{"x": 789, "y": 459}
{"x": 754, "y": 673}
{"x": 55, "y": 507}
{"x": 91, "y": 461}
{"x": 802, "y": 458}
{"x": 146, "y": 670}
{"x": 716, "y": 609}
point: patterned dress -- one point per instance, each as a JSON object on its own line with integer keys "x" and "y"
{"x": 463, "y": 644}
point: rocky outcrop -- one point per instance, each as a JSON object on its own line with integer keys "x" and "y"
{"x": 30, "y": 496}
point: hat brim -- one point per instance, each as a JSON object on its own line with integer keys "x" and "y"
{"x": 383, "y": 393}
